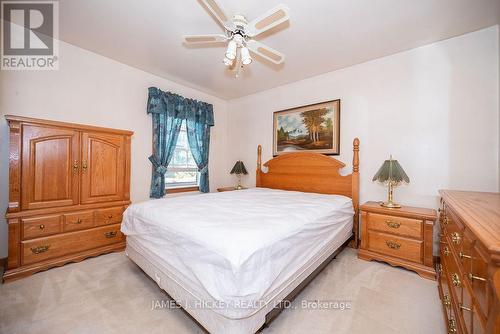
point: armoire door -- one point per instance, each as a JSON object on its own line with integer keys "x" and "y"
{"x": 50, "y": 161}
{"x": 103, "y": 167}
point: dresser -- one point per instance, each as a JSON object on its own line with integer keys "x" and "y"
{"x": 68, "y": 187}
{"x": 469, "y": 276}
{"x": 398, "y": 236}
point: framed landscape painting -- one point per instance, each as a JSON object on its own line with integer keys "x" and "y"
{"x": 312, "y": 128}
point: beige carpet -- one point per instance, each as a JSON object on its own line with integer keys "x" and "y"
{"x": 110, "y": 294}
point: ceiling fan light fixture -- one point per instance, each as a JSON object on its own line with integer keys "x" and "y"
{"x": 245, "y": 56}
{"x": 239, "y": 34}
{"x": 231, "y": 50}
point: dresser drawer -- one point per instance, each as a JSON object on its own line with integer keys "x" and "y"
{"x": 41, "y": 226}
{"x": 478, "y": 280}
{"x": 395, "y": 246}
{"x": 78, "y": 221}
{"x": 465, "y": 307}
{"x": 445, "y": 290}
{"x": 455, "y": 232}
{"x": 68, "y": 243}
{"x": 395, "y": 225}
{"x": 454, "y": 273}
{"x": 108, "y": 216}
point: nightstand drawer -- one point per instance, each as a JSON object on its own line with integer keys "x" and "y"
{"x": 395, "y": 246}
{"x": 395, "y": 225}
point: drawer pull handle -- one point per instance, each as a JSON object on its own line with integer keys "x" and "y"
{"x": 477, "y": 278}
{"x": 463, "y": 256}
{"x": 452, "y": 326}
{"x": 40, "y": 249}
{"x": 445, "y": 221}
{"x": 455, "y": 279}
{"x": 41, "y": 226}
{"x": 110, "y": 235}
{"x": 110, "y": 216}
{"x": 392, "y": 224}
{"x": 79, "y": 221}
{"x": 455, "y": 238}
{"x": 446, "y": 300}
{"x": 446, "y": 251}
{"x": 392, "y": 244}
{"x": 464, "y": 308}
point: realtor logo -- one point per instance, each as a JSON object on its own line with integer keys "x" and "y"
{"x": 30, "y": 35}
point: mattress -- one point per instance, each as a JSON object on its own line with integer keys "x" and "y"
{"x": 239, "y": 250}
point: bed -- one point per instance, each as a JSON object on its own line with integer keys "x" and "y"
{"x": 231, "y": 259}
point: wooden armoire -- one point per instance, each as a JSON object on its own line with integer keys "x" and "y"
{"x": 68, "y": 187}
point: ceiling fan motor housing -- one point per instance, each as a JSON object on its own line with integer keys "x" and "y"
{"x": 239, "y": 21}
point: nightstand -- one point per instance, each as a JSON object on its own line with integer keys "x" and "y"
{"x": 400, "y": 237}
{"x": 228, "y": 189}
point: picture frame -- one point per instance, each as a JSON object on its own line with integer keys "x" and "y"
{"x": 310, "y": 128}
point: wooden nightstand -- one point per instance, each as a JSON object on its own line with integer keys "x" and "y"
{"x": 228, "y": 189}
{"x": 400, "y": 237}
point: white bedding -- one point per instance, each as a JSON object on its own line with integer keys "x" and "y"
{"x": 238, "y": 248}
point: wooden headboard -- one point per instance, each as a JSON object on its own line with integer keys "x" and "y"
{"x": 315, "y": 173}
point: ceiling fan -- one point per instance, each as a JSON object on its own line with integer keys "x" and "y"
{"x": 239, "y": 35}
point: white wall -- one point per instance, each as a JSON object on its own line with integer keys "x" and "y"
{"x": 92, "y": 89}
{"x": 434, "y": 108}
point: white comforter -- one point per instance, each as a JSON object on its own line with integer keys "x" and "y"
{"x": 238, "y": 246}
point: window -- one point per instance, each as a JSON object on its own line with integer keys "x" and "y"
{"x": 182, "y": 170}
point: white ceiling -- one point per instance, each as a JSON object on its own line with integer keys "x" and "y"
{"x": 322, "y": 35}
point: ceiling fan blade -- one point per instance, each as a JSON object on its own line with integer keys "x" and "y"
{"x": 265, "y": 52}
{"x": 218, "y": 13}
{"x": 210, "y": 38}
{"x": 268, "y": 20}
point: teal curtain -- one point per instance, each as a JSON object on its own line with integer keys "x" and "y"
{"x": 168, "y": 111}
{"x": 199, "y": 119}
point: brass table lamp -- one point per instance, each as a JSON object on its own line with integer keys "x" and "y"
{"x": 392, "y": 174}
{"x": 239, "y": 169}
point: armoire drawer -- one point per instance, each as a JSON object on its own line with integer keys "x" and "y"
{"x": 78, "y": 221}
{"x": 68, "y": 243}
{"x": 108, "y": 216}
{"x": 41, "y": 226}
{"x": 395, "y": 225}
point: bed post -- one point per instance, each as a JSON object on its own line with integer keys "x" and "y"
{"x": 259, "y": 166}
{"x": 355, "y": 191}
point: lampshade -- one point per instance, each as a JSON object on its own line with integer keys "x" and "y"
{"x": 391, "y": 172}
{"x": 239, "y": 168}
{"x": 245, "y": 56}
{"x": 231, "y": 50}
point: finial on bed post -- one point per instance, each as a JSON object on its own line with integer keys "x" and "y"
{"x": 259, "y": 166}
{"x": 355, "y": 158}
{"x": 355, "y": 191}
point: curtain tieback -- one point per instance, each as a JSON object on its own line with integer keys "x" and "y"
{"x": 203, "y": 170}
{"x": 158, "y": 167}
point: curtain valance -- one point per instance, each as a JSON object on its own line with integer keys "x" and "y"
{"x": 176, "y": 106}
